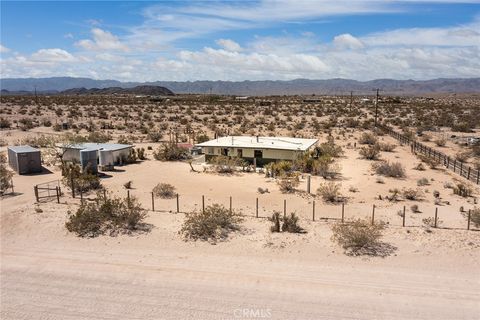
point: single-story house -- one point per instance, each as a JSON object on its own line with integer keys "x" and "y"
{"x": 104, "y": 154}
{"x": 25, "y": 159}
{"x": 262, "y": 149}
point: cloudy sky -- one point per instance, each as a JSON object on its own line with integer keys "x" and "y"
{"x": 241, "y": 40}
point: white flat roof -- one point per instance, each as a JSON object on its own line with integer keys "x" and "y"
{"x": 280, "y": 143}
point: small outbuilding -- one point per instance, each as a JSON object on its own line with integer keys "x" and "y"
{"x": 106, "y": 155}
{"x": 25, "y": 159}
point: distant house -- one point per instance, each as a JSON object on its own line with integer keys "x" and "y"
{"x": 260, "y": 150}
{"x": 25, "y": 159}
{"x": 106, "y": 155}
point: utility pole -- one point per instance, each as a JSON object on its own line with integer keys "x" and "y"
{"x": 351, "y": 100}
{"x": 376, "y": 108}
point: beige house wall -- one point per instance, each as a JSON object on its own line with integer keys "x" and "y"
{"x": 249, "y": 153}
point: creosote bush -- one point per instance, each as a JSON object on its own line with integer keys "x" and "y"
{"x": 112, "y": 215}
{"x": 5, "y": 175}
{"x": 330, "y": 191}
{"x": 164, "y": 191}
{"x": 368, "y": 138}
{"x": 171, "y": 152}
{"x": 370, "y": 153}
{"x": 288, "y": 223}
{"x": 389, "y": 169}
{"x": 358, "y": 235}
{"x": 213, "y": 224}
{"x": 474, "y": 216}
{"x": 288, "y": 183}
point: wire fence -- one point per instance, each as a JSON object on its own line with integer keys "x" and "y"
{"x": 308, "y": 208}
{"x": 455, "y": 165}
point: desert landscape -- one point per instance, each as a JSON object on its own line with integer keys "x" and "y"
{"x": 421, "y": 266}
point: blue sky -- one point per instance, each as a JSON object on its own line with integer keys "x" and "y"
{"x": 241, "y": 40}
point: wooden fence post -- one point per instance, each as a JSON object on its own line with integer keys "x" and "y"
{"x": 58, "y": 194}
{"x": 313, "y": 211}
{"x": 81, "y": 195}
{"x": 468, "y": 219}
{"x": 343, "y": 212}
{"x": 256, "y": 207}
{"x": 128, "y": 195}
{"x": 105, "y": 194}
{"x": 35, "y": 189}
{"x": 230, "y": 204}
{"x": 153, "y": 202}
{"x": 436, "y": 216}
{"x": 178, "y": 203}
{"x": 468, "y": 173}
{"x": 373, "y": 214}
{"x": 11, "y": 184}
{"x": 308, "y": 183}
{"x": 403, "y": 222}
{"x": 284, "y": 208}
{"x": 203, "y": 203}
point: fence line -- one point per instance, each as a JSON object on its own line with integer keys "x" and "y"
{"x": 341, "y": 213}
{"x": 455, "y": 165}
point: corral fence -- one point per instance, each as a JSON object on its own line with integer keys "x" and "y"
{"x": 310, "y": 209}
{"x": 48, "y": 191}
{"x": 455, "y": 165}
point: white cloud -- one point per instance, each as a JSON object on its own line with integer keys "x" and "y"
{"x": 347, "y": 41}
{"x": 102, "y": 40}
{"x": 4, "y": 49}
{"x": 229, "y": 45}
{"x": 52, "y": 55}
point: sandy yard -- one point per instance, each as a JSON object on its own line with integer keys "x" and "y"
{"x": 48, "y": 273}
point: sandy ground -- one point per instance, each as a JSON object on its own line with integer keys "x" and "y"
{"x": 47, "y": 273}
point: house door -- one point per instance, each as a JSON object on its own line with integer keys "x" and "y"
{"x": 22, "y": 163}
{"x": 225, "y": 151}
{"x": 240, "y": 153}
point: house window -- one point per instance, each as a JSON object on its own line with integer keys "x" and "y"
{"x": 258, "y": 153}
{"x": 210, "y": 150}
{"x": 225, "y": 151}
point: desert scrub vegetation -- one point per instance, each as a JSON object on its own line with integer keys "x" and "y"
{"x": 224, "y": 164}
{"x": 113, "y": 215}
{"x": 287, "y": 223}
{"x": 212, "y": 224}
{"x": 358, "y": 237}
{"x": 368, "y": 138}
{"x": 171, "y": 152}
{"x": 412, "y": 194}
{"x": 288, "y": 182}
{"x": 164, "y": 191}
{"x": 371, "y": 152}
{"x": 389, "y": 169}
{"x": 82, "y": 181}
{"x": 5, "y": 175}
{"x": 330, "y": 191}
{"x": 474, "y": 216}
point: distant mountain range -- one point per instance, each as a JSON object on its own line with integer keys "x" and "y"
{"x": 253, "y": 88}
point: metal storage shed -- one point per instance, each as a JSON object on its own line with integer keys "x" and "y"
{"x": 24, "y": 159}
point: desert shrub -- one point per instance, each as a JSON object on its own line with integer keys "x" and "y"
{"x": 164, "y": 191}
{"x": 423, "y": 182}
{"x": 357, "y": 235}
{"x": 432, "y": 163}
{"x": 262, "y": 190}
{"x": 463, "y": 156}
{"x": 387, "y": 147}
{"x": 330, "y": 191}
{"x": 224, "y": 164}
{"x": 288, "y": 223}
{"x": 202, "y": 138}
{"x": 441, "y": 142}
{"x": 463, "y": 189}
{"x": 370, "y": 153}
{"x": 288, "y": 183}
{"x": 141, "y": 153}
{"x": 155, "y": 135}
{"x": 128, "y": 184}
{"x": 394, "y": 194}
{"x": 5, "y": 174}
{"x": 279, "y": 168}
{"x": 83, "y": 181}
{"x": 415, "y": 208}
{"x": 214, "y": 223}
{"x": 368, "y": 138}
{"x": 412, "y": 194}
{"x": 387, "y": 169}
{"x": 171, "y": 152}
{"x": 98, "y": 137}
{"x": 5, "y": 123}
{"x": 330, "y": 149}
{"x": 430, "y": 222}
{"x": 420, "y": 167}
{"x": 107, "y": 215}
